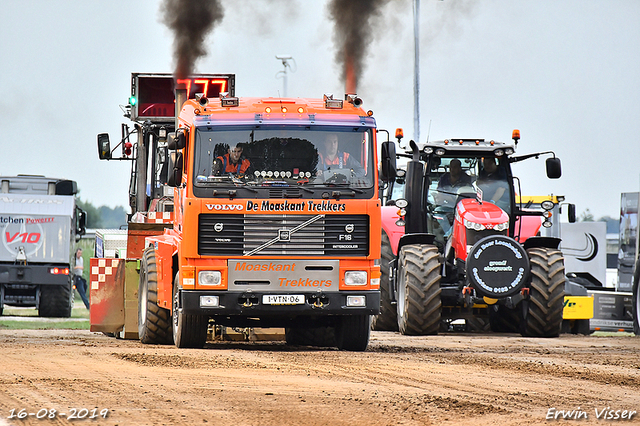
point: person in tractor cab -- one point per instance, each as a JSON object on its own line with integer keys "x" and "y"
{"x": 454, "y": 178}
{"x": 493, "y": 182}
{"x": 231, "y": 162}
{"x": 332, "y": 158}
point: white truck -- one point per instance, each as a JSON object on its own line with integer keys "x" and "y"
{"x": 39, "y": 225}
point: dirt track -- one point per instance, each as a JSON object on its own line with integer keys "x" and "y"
{"x": 450, "y": 379}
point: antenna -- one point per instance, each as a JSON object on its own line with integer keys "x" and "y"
{"x": 285, "y": 63}
{"x": 428, "y": 131}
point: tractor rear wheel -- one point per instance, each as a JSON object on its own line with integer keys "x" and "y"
{"x": 154, "y": 322}
{"x": 542, "y": 313}
{"x": 388, "y": 318}
{"x": 352, "y": 332}
{"x": 189, "y": 331}
{"x": 419, "y": 304}
{"x": 504, "y": 320}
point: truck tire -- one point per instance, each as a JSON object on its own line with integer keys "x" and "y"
{"x": 419, "y": 304}
{"x": 542, "y": 313}
{"x": 504, "y": 320}
{"x": 635, "y": 302}
{"x": 311, "y": 336}
{"x": 388, "y": 318}
{"x": 352, "y": 332}
{"x": 56, "y": 301}
{"x": 154, "y": 322}
{"x": 189, "y": 331}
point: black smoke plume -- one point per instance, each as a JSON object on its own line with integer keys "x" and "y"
{"x": 191, "y": 21}
{"x": 353, "y": 33}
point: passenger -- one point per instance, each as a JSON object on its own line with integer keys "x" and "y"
{"x": 334, "y": 159}
{"x": 493, "y": 182}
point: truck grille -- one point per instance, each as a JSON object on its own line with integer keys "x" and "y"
{"x": 238, "y": 235}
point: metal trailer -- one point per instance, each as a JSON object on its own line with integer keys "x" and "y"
{"x": 39, "y": 224}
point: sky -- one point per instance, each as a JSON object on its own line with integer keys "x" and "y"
{"x": 566, "y": 73}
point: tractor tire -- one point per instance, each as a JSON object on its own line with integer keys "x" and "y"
{"x": 504, "y": 320}
{"x": 56, "y": 301}
{"x": 189, "y": 331}
{"x": 312, "y": 336}
{"x": 419, "y": 304}
{"x": 635, "y": 302}
{"x": 542, "y": 313}
{"x": 352, "y": 332}
{"x": 154, "y": 322}
{"x": 388, "y": 318}
{"x": 477, "y": 325}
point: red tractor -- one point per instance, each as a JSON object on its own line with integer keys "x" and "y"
{"x": 456, "y": 245}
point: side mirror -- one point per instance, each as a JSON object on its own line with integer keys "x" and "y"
{"x": 175, "y": 169}
{"x": 104, "y": 146}
{"x": 571, "y": 213}
{"x": 554, "y": 169}
{"x": 388, "y": 161}
{"x": 66, "y": 187}
{"x": 177, "y": 141}
{"x": 81, "y": 227}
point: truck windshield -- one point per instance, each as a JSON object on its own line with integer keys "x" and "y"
{"x": 284, "y": 156}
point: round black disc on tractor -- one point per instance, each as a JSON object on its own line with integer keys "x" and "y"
{"x": 497, "y": 266}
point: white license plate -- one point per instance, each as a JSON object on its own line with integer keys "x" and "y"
{"x": 283, "y": 299}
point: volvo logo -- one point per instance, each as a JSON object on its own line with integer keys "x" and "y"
{"x": 284, "y": 235}
{"x": 349, "y": 227}
{"x": 224, "y": 207}
{"x": 218, "y": 227}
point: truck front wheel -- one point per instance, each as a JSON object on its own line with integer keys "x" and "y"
{"x": 542, "y": 313}
{"x": 154, "y": 324}
{"x": 189, "y": 331}
{"x": 419, "y": 304}
{"x": 352, "y": 332}
{"x": 387, "y": 320}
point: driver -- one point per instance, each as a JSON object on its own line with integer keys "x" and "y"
{"x": 455, "y": 177}
{"x": 334, "y": 159}
{"x": 231, "y": 162}
{"x": 493, "y": 182}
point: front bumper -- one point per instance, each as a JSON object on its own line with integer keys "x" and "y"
{"x": 250, "y": 304}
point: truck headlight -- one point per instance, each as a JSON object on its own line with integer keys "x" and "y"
{"x": 209, "y": 277}
{"x": 355, "y": 278}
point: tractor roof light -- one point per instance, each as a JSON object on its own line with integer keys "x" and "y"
{"x": 498, "y": 152}
{"x": 427, "y": 150}
{"x": 399, "y": 133}
{"x": 508, "y": 151}
{"x": 515, "y": 135}
{"x": 440, "y": 151}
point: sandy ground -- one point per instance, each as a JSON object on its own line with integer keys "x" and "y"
{"x": 449, "y": 379}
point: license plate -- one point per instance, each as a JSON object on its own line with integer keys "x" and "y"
{"x": 283, "y": 299}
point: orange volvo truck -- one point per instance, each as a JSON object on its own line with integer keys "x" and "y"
{"x": 274, "y": 217}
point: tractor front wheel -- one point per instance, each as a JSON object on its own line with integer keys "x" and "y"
{"x": 542, "y": 312}
{"x": 419, "y": 304}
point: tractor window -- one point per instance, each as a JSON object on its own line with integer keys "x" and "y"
{"x": 451, "y": 179}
